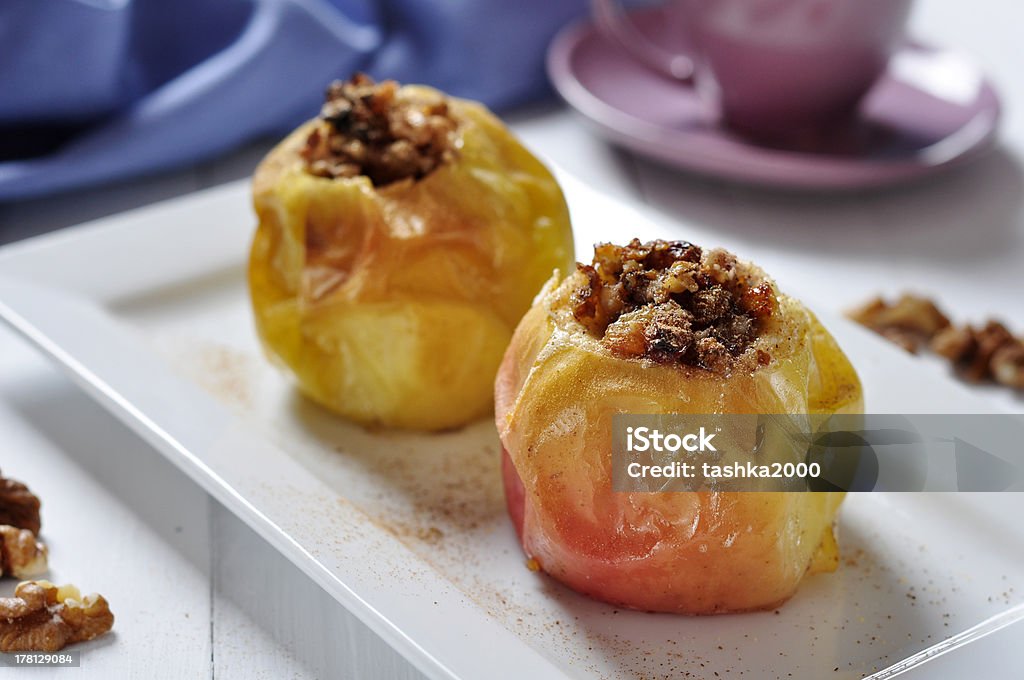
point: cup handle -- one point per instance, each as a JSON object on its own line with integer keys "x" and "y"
{"x": 615, "y": 25}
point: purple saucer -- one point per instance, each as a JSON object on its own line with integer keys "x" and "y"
{"x": 931, "y": 110}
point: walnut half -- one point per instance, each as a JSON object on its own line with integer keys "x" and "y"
{"x": 19, "y": 507}
{"x": 989, "y": 352}
{"x": 909, "y": 322}
{"x": 21, "y": 554}
{"x": 45, "y": 618}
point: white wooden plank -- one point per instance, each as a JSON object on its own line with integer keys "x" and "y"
{"x": 118, "y": 518}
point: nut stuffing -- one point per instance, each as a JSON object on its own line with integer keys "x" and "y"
{"x": 989, "y": 352}
{"x": 672, "y": 302}
{"x": 373, "y": 129}
{"x": 46, "y": 618}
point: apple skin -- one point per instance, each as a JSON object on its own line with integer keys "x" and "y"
{"x": 393, "y": 305}
{"x": 684, "y": 552}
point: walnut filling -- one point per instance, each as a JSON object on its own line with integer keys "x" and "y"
{"x": 672, "y": 302}
{"x": 366, "y": 128}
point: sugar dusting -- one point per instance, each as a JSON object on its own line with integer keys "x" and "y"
{"x": 441, "y": 496}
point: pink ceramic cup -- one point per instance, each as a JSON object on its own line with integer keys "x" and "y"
{"x": 774, "y": 68}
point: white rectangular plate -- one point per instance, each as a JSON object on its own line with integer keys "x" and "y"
{"x": 148, "y": 311}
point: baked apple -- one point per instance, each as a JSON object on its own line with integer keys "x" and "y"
{"x": 402, "y": 235}
{"x": 660, "y": 328}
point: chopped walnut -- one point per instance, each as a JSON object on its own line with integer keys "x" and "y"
{"x": 45, "y": 618}
{"x": 672, "y": 302}
{"x": 1008, "y": 365}
{"x": 660, "y": 332}
{"x": 909, "y": 322}
{"x": 21, "y": 554}
{"x": 990, "y": 352}
{"x": 953, "y": 343}
{"x": 19, "y": 507}
{"x": 992, "y": 337}
{"x": 367, "y": 129}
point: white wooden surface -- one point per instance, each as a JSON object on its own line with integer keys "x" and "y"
{"x": 197, "y": 594}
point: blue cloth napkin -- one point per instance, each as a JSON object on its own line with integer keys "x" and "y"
{"x": 92, "y": 90}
